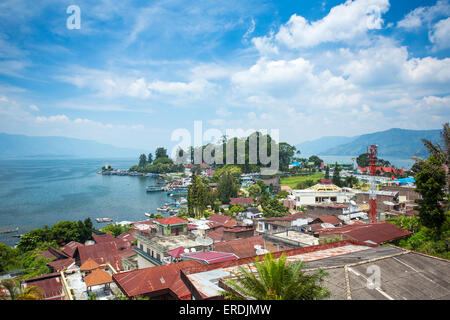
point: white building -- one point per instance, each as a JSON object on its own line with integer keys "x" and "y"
{"x": 321, "y": 194}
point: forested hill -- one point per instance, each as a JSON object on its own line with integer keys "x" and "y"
{"x": 400, "y": 143}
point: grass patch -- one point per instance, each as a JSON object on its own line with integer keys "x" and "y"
{"x": 293, "y": 181}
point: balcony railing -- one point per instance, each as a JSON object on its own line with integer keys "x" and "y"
{"x": 147, "y": 256}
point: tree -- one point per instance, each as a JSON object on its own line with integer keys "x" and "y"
{"x": 327, "y": 173}
{"x": 197, "y": 197}
{"x": 317, "y": 161}
{"x": 430, "y": 184}
{"x": 286, "y": 152}
{"x": 116, "y": 229}
{"x": 274, "y": 208}
{"x": 441, "y": 154}
{"x": 142, "y": 160}
{"x": 16, "y": 292}
{"x": 336, "y": 175}
{"x": 150, "y": 158}
{"x": 276, "y": 280}
{"x": 161, "y": 153}
{"x": 226, "y": 187}
{"x": 254, "y": 190}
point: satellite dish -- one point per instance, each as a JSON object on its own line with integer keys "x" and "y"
{"x": 247, "y": 221}
{"x": 202, "y": 227}
{"x": 257, "y": 246}
{"x": 186, "y": 250}
{"x": 353, "y": 202}
{"x": 327, "y": 225}
{"x": 206, "y": 241}
{"x": 261, "y": 251}
{"x": 89, "y": 243}
{"x": 193, "y": 250}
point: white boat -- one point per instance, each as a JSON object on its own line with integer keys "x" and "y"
{"x": 103, "y": 220}
{"x": 148, "y": 214}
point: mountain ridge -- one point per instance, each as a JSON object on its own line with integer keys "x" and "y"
{"x": 394, "y": 142}
{"x": 15, "y": 146}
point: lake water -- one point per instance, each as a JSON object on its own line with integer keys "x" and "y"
{"x": 398, "y": 163}
{"x": 34, "y": 193}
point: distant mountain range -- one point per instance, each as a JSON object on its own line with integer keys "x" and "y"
{"x": 397, "y": 143}
{"x": 27, "y": 147}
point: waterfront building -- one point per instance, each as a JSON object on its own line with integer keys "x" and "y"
{"x": 152, "y": 248}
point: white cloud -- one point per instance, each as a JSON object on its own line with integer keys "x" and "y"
{"x": 344, "y": 22}
{"x": 440, "y": 34}
{"x": 34, "y": 107}
{"x": 424, "y": 15}
{"x": 180, "y": 88}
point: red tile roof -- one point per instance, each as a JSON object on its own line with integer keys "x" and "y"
{"x": 230, "y": 223}
{"x": 70, "y": 248}
{"x": 102, "y": 253}
{"x": 378, "y": 232}
{"x": 176, "y": 252}
{"x": 171, "y": 220}
{"x": 213, "y": 256}
{"x": 251, "y": 259}
{"x": 97, "y": 277}
{"x": 244, "y": 247}
{"x": 51, "y": 285}
{"x": 216, "y": 234}
{"x": 59, "y": 265}
{"x": 103, "y": 238}
{"x": 219, "y": 218}
{"x": 329, "y": 219}
{"x": 155, "y": 281}
{"x": 89, "y": 265}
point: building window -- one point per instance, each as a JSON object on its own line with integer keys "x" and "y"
{"x": 141, "y": 247}
{"x": 158, "y": 257}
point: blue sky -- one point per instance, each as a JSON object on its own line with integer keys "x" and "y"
{"x": 137, "y": 70}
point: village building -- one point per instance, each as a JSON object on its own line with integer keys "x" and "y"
{"x": 171, "y": 233}
{"x": 321, "y": 194}
{"x": 406, "y": 275}
{"x": 160, "y": 282}
{"x": 275, "y": 224}
{"x": 375, "y": 232}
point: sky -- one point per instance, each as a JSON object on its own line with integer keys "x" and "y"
{"x": 133, "y": 72}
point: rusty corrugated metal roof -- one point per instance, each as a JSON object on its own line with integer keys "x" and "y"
{"x": 154, "y": 279}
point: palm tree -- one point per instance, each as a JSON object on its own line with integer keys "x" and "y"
{"x": 15, "y": 292}
{"x": 276, "y": 280}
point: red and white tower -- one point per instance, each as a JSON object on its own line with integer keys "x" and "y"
{"x": 373, "y": 188}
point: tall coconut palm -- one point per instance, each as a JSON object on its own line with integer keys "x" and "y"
{"x": 16, "y": 292}
{"x": 276, "y": 280}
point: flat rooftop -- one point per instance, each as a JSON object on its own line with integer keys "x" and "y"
{"x": 296, "y": 236}
{"x": 404, "y": 274}
{"x": 172, "y": 242}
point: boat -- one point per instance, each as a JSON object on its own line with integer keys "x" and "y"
{"x": 148, "y": 214}
{"x": 164, "y": 209}
{"x": 10, "y": 231}
{"x": 103, "y": 220}
{"x": 154, "y": 188}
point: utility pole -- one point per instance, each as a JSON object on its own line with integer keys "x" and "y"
{"x": 373, "y": 188}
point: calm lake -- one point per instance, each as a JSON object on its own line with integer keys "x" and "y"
{"x": 34, "y": 193}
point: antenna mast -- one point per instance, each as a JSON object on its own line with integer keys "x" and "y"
{"x": 373, "y": 188}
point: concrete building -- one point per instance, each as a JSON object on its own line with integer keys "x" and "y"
{"x": 321, "y": 194}
{"x": 405, "y": 275}
{"x": 171, "y": 233}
